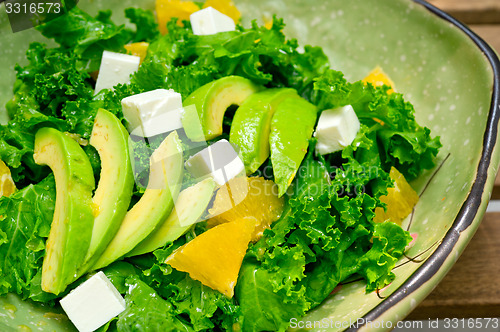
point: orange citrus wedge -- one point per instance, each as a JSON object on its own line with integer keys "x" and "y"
{"x": 256, "y": 200}
{"x": 7, "y": 185}
{"x": 377, "y": 77}
{"x": 400, "y": 200}
{"x": 166, "y": 9}
{"x": 226, "y": 7}
{"x": 138, "y": 49}
{"x": 268, "y": 24}
{"x": 214, "y": 258}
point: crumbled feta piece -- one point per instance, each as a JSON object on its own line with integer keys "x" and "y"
{"x": 115, "y": 68}
{"x": 219, "y": 160}
{"x": 153, "y": 112}
{"x": 336, "y": 129}
{"x": 210, "y": 21}
{"x": 93, "y": 303}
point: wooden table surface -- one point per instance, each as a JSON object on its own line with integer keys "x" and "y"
{"x": 472, "y": 287}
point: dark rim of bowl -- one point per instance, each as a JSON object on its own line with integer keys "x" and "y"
{"x": 470, "y": 207}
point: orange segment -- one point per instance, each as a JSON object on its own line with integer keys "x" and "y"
{"x": 400, "y": 200}
{"x": 268, "y": 24}
{"x": 378, "y": 77}
{"x": 138, "y": 49}
{"x": 226, "y": 7}
{"x": 256, "y": 200}
{"x": 7, "y": 185}
{"x": 214, "y": 258}
{"x": 166, "y": 9}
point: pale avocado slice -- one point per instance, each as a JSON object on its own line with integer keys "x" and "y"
{"x": 291, "y": 128}
{"x": 154, "y": 206}
{"x": 114, "y": 191}
{"x": 71, "y": 228}
{"x": 252, "y": 123}
{"x": 189, "y": 207}
{"x": 210, "y": 104}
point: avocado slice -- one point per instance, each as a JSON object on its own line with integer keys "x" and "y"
{"x": 114, "y": 191}
{"x": 291, "y": 128}
{"x": 71, "y": 228}
{"x": 252, "y": 124}
{"x": 210, "y": 103}
{"x": 189, "y": 207}
{"x": 154, "y": 206}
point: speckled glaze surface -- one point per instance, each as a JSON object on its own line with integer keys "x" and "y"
{"x": 452, "y": 80}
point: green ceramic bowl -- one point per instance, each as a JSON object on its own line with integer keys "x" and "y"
{"x": 449, "y": 74}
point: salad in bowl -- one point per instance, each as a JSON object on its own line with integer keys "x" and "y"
{"x": 185, "y": 172}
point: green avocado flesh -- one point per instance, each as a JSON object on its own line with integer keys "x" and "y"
{"x": 114, "y": 191}
{"x": 291, "y": 128}
{"x": 210, "y": 103}
{"x": 154, "y": 206}
{"x": 71, "y": 228}
{"x": 252, "y": 123}
{"x": 189, "y": 207}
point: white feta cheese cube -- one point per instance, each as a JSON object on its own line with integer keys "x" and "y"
{"x": 210, "y": 21}
{"x": 115, "y": 68}
{"x": 93, "y": 303}
{"x": 219, "y": 160}
{"x": 153, "y": 112}
{"x": 336, "y": 129}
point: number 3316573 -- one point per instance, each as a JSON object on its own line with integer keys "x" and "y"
{"x": 33, "y": 8}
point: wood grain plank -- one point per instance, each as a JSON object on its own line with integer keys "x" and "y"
{"x": 495, "y": 194}
{"x": 490, "y": 33}
{"x": 471, "y": 11}
{"x": 472, "y": 287}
